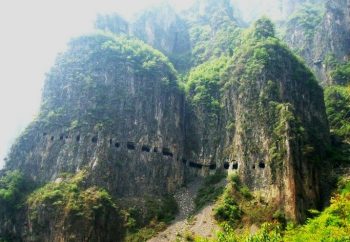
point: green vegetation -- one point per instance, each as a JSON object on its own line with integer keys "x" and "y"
{"x": 337, "y": 99}
{"x": 157, "y": 215}
{"x": 306, "y": 18}
{"x": 341, "y": 74}
{"x": 263, "y": 28}
{"x": 238, "y": 204}
{"x": 68, "y": 203}
{"x": 14, "y": 188}
{"x": 332, "y": 224}
{"x": 227, "y": 209}
{"x": 210, "y": 191}
{"x": 214, "y": 34}
{"x": 87, "y": 57}
{"x": 204, "y": 84}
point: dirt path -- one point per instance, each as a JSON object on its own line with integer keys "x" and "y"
{"x": 202, "y": 224}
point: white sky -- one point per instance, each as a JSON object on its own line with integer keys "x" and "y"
{"x": 32, "y": 33}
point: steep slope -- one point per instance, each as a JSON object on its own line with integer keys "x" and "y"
{"x": 281, "y": 129}
{"x": 111, "y": 105}
{"x": 262, "y": 115}
{"x": 321, "y": 37}
{"x": 214, "y": 29}
{"x": 163, "y": 29}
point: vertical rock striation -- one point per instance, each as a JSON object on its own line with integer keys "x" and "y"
{"x": 113, "y": 106}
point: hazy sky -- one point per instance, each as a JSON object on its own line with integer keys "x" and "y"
{"x": 32, "y": 33}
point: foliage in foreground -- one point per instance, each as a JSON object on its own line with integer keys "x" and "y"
{"x": 70, "y": 205}
{"x": 332, "y": 224}
{"x": 337, "y": 99}
{"x": 210, "y": 191}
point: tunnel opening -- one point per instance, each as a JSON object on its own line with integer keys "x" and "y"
{"x": 155, "y": 149}
{"x": 116, "y": 145}
{"x": 234, "y": 166}
{"x": 262, "y": 165}
{"x": 67, "y": 137}
{"x": 44, "y": 134}
{"x": 226, "y": 165}
{"x": 184, "y": 161}
{"x": 212, "y": 167}
{"x": 253, "y": 166}
{"x": 146, "y": 148}
{"x": 167, "y": 152}
{"x": 78, "y": 138}
{"x": 130, "y": 145}
{"x": 196, "y": 165}
{"x": 61, "y": 137}
{"x": 94, "y": 139}
{"x": 52, "y": 138}
{"x": 110, "y": 142}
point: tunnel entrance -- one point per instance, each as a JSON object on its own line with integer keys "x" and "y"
{"x": 155, "y": 149}
{"x": 61, "y": 137}
{"x": 234, "y": 166}
{"x": 130, "y": 146}
{"x": 212, "y": 166}
{"x": 78, "y": 138}
{"x": 167, "y": 152}
{"x": 94, "y": 139}
{"x": 116, "y": 145}
{"x": 196, "y": 165}
{"x": 52, "y": 138}
{"x": 184, "y": 161}
{"x": 226, "y": 165}
{"x": 262, "y": 165}
{"x": 146, "y": 148}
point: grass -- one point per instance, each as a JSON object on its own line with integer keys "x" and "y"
{"x": 210, "y": 191}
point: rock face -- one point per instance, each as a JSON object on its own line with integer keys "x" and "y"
{"x": 214, "y": 29}
{"x": 114, "y": 109}
{"x": 333, "y": 37}
{"x": 163, "y": 29}
{"x": 316, "y": 37}
{"x": 277, "y": 10}
{"x": 113, "y": 106}
{"x": 113, "y": 23}
{"x": 277, "y": 141}
{"x": 269, "y": 128}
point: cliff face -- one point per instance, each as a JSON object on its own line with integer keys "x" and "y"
{"x": 269, "y": 128}
{"x": 277, "y": 143}
{"x": 318, "y": 35}
{"x": 163, "y": 29}
{"x": 208, "y": 29}
{"x": 214, "y": 29}
{"x": 333, "y": 37}
{"x": 113, "y": 106}
{"x": 114, "y": 110}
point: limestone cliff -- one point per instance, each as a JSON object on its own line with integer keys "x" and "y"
{"x": 163, "y": 29}
{"x": 111, "y": 105}
{"x": 117, "y": 127}
{"x": 281, "y": 128}
{"x": 320, "y": 35}
{"x": 270, "y": 127}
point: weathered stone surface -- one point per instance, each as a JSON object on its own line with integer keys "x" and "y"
{"x": 95, "y": 102}
{"x": 163, "y": 29}
{"x": 328, "y": 37}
